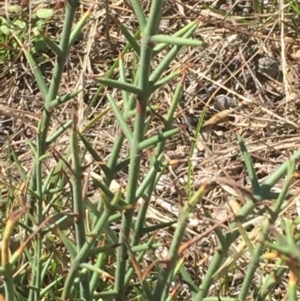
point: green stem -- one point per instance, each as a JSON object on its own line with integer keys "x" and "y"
{"x": 271, "y": 281}
{"x": 36, "y": 184}
{"x": 9, "y": 283}
{"x": 166, "y": 275}
{"x": 156, "y": 160}
{"x": 84, "y": 251}
{"x": 134, "y": 168}
{"x": 138, "y": 136}
{"x": 78, "y": 206}
{"x": 276, "y": 208}
{"x": 222, "y": 251}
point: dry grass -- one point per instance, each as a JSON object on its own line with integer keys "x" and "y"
{"x": 263, "y": 108}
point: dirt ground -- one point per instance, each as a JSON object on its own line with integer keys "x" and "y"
{"x": 246, "y": 80}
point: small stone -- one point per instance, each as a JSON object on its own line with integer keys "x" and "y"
{"x": 269, "y": 66}
{"x": 223, "y": 102}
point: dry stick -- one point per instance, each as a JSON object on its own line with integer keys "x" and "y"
{"x": 107, "y": 27}
{"x": 221, "y": 85}
{"x": 5, "y": 252}
{"x": 12, "y": 219}
{"x": 244, "y": 32}
{"x": 6, "y": 9}
{"x": 152, "y": 265}
{"x": 258, "y": 85}
{"x": 283, "y": 57}
{"x": 197, "y": 238}
{"x": 27, "y": 117}
{"x": 247, "y": 101}
{"x": 234, "y": 93}
{"x": 142, "y": 275}
{"x": 85, "y": 65}
{"x": 34, "y": 233}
